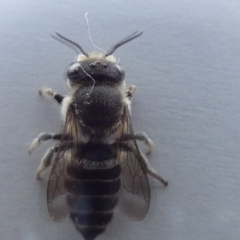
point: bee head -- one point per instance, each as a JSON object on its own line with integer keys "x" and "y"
{"x": 102, "y": 68}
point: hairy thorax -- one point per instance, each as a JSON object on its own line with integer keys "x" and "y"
{"x": 98, "y": 108}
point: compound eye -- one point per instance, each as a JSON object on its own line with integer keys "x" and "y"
{"x": 73, "y": 72}
{"x": 121, "y": 72}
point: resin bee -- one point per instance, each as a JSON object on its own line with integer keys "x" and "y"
{"x": 97, "y": 165}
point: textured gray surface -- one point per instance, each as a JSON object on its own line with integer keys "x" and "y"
{"x": 186, "y": 68}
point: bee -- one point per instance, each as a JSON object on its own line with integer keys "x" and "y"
{"x": 97, "y": 164}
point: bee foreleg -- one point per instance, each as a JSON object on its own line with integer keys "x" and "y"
{"x": 44, "y": 137}
{"x": 141, "y": 137}
{"x": 46, "y": 91}
{"x": 151, "y": 171}
{"x": 131, "y": 91}
{"x": 47, "y": 157}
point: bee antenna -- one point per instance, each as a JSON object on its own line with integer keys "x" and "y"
{"x": 123, "y": 41}
{"x": 73, "y": 43}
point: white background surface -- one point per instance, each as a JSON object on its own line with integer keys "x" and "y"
{"x": 186, "y": 68}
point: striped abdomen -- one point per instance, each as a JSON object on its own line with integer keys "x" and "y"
{"x": 92, "y": 196}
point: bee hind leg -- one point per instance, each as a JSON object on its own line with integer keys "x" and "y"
{"x": 46, "y": 91}
{"x": 141, "y": 137}
{"x": 47, "y": 157}
{"x": 125, "y": 147}
{"x": 45, "y": 161}
{"x": 43, "y": 137}
{"x": 147, "y": 141}
{"x": 151, "y": 171}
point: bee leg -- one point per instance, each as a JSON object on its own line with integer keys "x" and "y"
{"x": 47, "y": 157}
{"x": 43, "y": 137}
{"x": 45, "y": 162}
{"x": 141, "y": 137}
{"x": 131, "y": 91}
{"x": 46, "y": 91}
{"x": 147, "y": 141}
{"x": 151, "y": 171}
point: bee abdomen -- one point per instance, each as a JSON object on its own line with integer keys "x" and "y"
{"x": 93, "y": 188}
{"x": 91, "y": 224}
{"x": 90, "y": 232}
{"x": 92, "y": 201}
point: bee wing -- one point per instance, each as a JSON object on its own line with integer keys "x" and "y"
{"x": 134, "y": 197}
{"x": 56, "y": 190}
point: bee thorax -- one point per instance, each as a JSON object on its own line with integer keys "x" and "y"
{"x": 99, "y": 107}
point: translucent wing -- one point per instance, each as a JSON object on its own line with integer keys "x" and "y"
{"x": 56, "y": 184}
{"x": 134, "y": 198}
